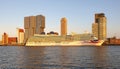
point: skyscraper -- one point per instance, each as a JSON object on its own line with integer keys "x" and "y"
{"x": 33, "y": 25}
{"x": 63, "y": 26}
{"x": 99, "y": 27}
{"x": 40, "y": 24}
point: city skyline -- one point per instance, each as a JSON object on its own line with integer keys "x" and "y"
{"x": 79, "y": 14}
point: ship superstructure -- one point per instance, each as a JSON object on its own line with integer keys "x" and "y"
{"x": 55, "y": 40}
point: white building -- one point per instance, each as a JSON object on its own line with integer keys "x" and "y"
{"x": 20, "y": 35}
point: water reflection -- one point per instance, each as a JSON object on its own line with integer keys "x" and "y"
{"x": 33, "y": 57}
{"x": 60, "y": 57}
{"x": 64, "y": 58}
{"x": 100, "y": 57}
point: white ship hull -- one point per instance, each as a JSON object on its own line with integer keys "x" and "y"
{"x": 73, "y": 43}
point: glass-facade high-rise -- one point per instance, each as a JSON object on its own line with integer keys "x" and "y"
{"x": 99, "y": 27}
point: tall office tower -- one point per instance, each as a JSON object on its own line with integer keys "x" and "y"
{"x": 40, "y": 24}
{"x": 33, "y": 25}
{"x": 99, "y": 27}
{"x": 20, "y": 35}
{"x": 26, "y": 27}
{"x": 63, "y": 26}
{"x": 5, "y": 38}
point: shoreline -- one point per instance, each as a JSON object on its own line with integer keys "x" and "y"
{"x": 111, "y": 44}
{"x": 13, "y": 45}
{"x": 61, "y": 45}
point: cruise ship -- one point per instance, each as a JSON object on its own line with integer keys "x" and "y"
{"x": 68, "y": 40}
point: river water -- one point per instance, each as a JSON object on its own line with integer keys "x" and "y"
{"x": 84, "y": 57}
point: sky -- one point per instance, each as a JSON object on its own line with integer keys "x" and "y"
{"x": 79, "y": 14}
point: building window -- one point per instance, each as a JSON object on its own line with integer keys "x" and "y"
{"x": 97, "y": 20}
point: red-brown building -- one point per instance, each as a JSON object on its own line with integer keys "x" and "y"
{"x": 12, "y": 40}
{"x": 113, "y": 40}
